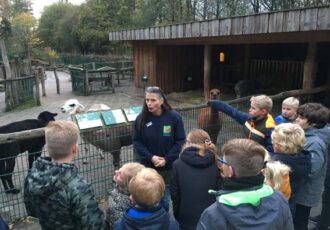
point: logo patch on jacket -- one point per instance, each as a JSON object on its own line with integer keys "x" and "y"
{"x": 167, "y": 130}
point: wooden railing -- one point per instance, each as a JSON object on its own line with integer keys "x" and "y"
{"x": 280, "y": 73}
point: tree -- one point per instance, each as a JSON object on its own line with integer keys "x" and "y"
{"x": 4, "y": 31}
{"x": 57, "y": 26}
{"x": 20, "y": 6}
{"x": 95, "y": 20}
{"x": 23, "y": 27}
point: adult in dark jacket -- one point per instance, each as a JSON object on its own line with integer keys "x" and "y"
{"x": 158, "y": 135}
{"x": 245, "y": 201}
{"x": 288, "y": 141}
{"x": 194, "y": 173}
{"x": 54, "y": 192}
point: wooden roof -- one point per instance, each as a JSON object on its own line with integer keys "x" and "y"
{"x": 292, "y": 22}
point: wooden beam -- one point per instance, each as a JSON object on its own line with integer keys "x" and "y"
{"x": 207, "y": 71}
{"x": 247, "y": 54}
{"x": 310, "y": 66}
{"x": 292, "y": 37}
{"x": 23, "y": 135}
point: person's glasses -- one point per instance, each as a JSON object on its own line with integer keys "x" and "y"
{"x": 222, "y": 161}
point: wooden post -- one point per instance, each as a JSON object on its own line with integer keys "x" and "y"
{"x": 247, "y": 52}
{"x": 37, "y": 88}
{"x": 57, "y": 82}
{"x": 42, "y": 80}
{"x": 207, "y": 70}
{"x": 122, "y": 69}
{"x": 93, "y": 64}
{"x": 327, "y": 93}
{"x": 86, "y": 81}
{"x": 310, "y": 66}
{"x": 117, "y": 73}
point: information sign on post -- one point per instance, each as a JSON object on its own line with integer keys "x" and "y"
{"x": 112, "y": 117}
{"x": 99, "y": 119}
{"x": 89, "y": 120}
{"x": 132, "y": 112}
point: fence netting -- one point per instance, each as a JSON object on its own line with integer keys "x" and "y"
{"x": 96, "y": 155}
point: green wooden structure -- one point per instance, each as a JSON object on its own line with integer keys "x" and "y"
{"x": 99, "y": 76}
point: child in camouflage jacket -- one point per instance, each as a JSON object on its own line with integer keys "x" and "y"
{"x": 54, "y": 192}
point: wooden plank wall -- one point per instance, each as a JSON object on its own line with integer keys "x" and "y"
{"x": 310, "y": 19}
{"x": 175, "y": 64}
{"x": 144, "y": 59}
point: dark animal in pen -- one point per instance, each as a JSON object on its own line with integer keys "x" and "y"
{"x": 109, "y": 139}
{"x": 9, "y": 151}
{"x": 245, "y": 88}
{"x": 210, "y": 119}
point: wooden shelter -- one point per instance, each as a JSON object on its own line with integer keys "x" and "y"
{"x": 285, "y": 50}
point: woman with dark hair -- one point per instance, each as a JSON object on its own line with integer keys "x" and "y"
{"x": 158, "y": 135}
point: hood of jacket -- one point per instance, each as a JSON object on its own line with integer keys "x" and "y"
{"x": 159, "y": 219}
{"x": 47, "y": 177}
{"x": 190, "y": 156}
{"x": 323, "y": 133}
{"x": 300, "y": 163}
{"x": 256, "y": 208}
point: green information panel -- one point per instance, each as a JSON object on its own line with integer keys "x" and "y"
{"x": 89, "y": 120}
{"x": 112, "y": 117}
{"x": 132, "y": 112}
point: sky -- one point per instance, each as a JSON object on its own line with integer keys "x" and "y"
{"x": 38, "y": 5}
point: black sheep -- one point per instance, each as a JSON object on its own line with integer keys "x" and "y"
{"x": 9, "y": 151}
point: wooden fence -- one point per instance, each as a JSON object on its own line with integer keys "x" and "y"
{"x": 21, "y": 90}
{"x": 98, "y": 77}
{"x": 280, "y": 73}
{"x": 99, "y": 172}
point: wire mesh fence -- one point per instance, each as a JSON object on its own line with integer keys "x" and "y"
{"x": 97, "y": 149}
{"x": 20, "y": 91}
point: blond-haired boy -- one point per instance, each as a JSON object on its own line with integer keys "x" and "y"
{"x": 289, "y": 110}
{"x": 54, "y": 192}
{"x": 257, "y": 124}
{"x": 146, "y": 190}
{"x": 288, "y": 141}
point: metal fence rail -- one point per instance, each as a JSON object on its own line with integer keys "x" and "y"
{"x": 99, "y": 172}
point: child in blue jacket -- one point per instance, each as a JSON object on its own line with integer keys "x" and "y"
{"x": 146, "y": 188}
{"x": 289, "y": 111}
{"x": 257, "y": 124}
